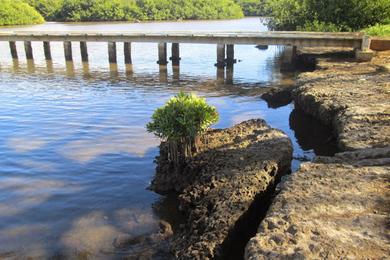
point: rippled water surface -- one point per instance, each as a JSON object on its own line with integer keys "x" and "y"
{"x": 75, "y": 158}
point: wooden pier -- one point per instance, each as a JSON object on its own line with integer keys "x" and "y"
{"x": 225, "y": 42}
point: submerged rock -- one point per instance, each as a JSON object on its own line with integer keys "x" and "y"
{"x": 150, "y": 246}
{"x": 234, "y": 168}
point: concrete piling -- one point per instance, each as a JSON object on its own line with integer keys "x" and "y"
{"x": 47, "y": 50}
{"x": 68, "y": 51}
{"x": 84, "y": 51}
{"x": 28, "y": 50}
{"x": 162, "y": 53}
{"x": 112, "y": 52}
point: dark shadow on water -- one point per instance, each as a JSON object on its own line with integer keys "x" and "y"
{"x": 167, "y": 208}
{"x": 311, "y": 134}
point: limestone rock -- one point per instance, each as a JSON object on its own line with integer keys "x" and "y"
{"x": 337, "y": 207}
{"x": 235, "y": 167}
{"x": 331, "y": 210}
{"x": 355, "y": 104}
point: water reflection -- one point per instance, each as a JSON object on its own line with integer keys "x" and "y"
{"x": 49, "y": 66}
{"x": 114, "y": 73}
{"x": 15, "y": 65}
{"x": 85, "y": 70}
{"x": 30, "y": 66}
{"x": 311, "y": 134}
{"x": 75, "y": 157}
{"x": 70, "y": 69}
{"x": 176, "y": 73}
{"x": 229, "y": 75}
{"x": 163, "y": 75}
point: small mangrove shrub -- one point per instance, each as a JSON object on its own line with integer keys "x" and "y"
{"x": 181, "y": 122}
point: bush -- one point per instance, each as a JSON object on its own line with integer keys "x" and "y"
{"x": 254, "y": 7}
{"x": 188, "y": 9}
{"x": 128, "y": 10}
{"x": 15, "y": 12}
{"x": 180, "y": 122}
{"x": 327, "y": 15}
{"x": 98, "y": 10}
{"x": 47, "y": 8}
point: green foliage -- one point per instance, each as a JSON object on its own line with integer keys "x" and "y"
{"x": 378, "y": 30}
{"x": 183, "y": 116}
{"x": 97, "y": 10}
{"x": 180, "y": 122}
{"x": 47, "y": 8}
{"x": 317, "y": 26}
{"x": 254, "y": 7}
{"x": 16, "y": 12}
{"x": 327, "y": 15}
{"x": 188, "y": 9}
{"x": 129, "y": 10}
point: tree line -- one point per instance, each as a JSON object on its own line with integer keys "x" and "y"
{"x": 304, "y": 15}
{"x": 115, "y": 10}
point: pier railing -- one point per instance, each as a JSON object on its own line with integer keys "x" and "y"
{"x": 225, "y": 42}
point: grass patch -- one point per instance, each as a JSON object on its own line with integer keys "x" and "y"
{"x": 382, "y": 30}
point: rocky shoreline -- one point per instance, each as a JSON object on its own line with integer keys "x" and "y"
{"x": 337, "y": 207}
{"x": 224, "y": 185}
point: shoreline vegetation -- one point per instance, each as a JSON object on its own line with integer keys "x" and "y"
{"x": 372, "y": 17}
{"x": 116, "y": 10}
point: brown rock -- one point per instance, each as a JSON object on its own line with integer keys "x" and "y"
{"x": 337, "y": 207}
{"x": 234, "y": 168}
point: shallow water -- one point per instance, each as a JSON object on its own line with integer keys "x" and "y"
{"x": 75, "y": 158}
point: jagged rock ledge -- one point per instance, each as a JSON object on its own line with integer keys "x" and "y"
{"x": 352, "y": 98}
{"x": 333, "y": 208}
{"x": 337, "y": 207}
{"x": 222, "y": 185}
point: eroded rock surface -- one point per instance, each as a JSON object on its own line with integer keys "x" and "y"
{"x": 334, "y": 208}
{"x": 337, "y": 207}
{"x": 236, "y": 166}
{"x": 353, "y": 98}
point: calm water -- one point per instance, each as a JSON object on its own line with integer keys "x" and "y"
{"x": 75, "y": 158}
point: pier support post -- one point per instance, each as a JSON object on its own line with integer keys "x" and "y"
{"x": 220, "y": 56}
{"x": 68, "y": 51}
{"x": 112, "y": 52}
{"x": 230, "y": 55}
{"x": 14, "y": 52}
{"x": 364, "y": 53}
{"x": 163, "y": 75}
{"x": 176, "y": 73}
{"x": 84, "y": 51}
{"x": 70, "y": 68}
{"x": 127, "y": 52}
{"x": 175, "y": 54}
{"x": 229, "y": 74}
{"x": 30, "y": 66}
{"x": 162, "y": 53}
{"x": 28, "y": 50}
{"x": 294, "y": 54}
{"x": 220, "y": 75}
{"x": 46, "y": 50}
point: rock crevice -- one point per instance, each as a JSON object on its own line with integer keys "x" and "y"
{"x": 222, "y": 184}
{"x": 337, "y": 207}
